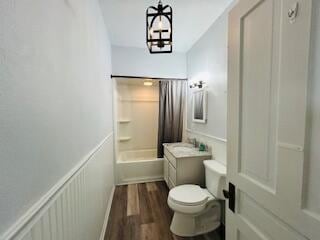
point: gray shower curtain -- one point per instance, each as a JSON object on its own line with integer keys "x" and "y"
{"x": 171, "y": 107}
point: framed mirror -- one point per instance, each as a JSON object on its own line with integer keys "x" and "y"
{"x": 199, "y": 108}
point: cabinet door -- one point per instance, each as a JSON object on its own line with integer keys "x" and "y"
{"x": 267, "y": 106}
{"x": 166, "y": 170}
{"x": 172, "y": 175}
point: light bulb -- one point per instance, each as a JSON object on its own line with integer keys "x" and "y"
{"x": 151, "y": 31}
{"x": 160, "y": 24}
{"x": 148, "y": 83}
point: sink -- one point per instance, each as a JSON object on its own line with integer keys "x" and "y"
{"x": 180, "y": 144}
{"x": 183, "y": 149}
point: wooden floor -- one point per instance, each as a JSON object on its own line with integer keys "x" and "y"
{"x": 140, "y": 212}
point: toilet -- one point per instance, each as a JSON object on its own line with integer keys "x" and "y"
{"x": 198, "y": 210}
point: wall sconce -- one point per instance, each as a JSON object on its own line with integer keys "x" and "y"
{"x": 199, "y": 84}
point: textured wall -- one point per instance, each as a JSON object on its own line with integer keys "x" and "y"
{"x": 139, "y": 62}
{"x": 55, "y": 95}
{"x": 207, "y": 61}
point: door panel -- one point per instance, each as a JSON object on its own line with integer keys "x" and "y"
{"x": 256, "y": 73}
{"x": 241, "y": 236}
{"x": 311, "y": 198}
{"x": 267, "y": 224}
{"x": 267, "y": 104}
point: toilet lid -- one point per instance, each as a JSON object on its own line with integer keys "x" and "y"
{"x": 189, "y": 195}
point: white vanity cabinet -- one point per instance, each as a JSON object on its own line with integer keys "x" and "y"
{"x": 184, "y": 167}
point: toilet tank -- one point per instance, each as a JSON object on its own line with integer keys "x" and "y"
{"x": 215, "y": 177}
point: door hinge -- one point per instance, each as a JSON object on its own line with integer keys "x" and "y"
{"x": 231, "y": 195}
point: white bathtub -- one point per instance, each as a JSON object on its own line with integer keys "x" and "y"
{"x": 138, "y": 155}
{"x": 136, "y": 166}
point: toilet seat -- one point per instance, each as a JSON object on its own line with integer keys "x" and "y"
{"x": 189, "y": 195}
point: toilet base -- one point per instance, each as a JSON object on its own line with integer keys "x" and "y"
{"x": 186, "y": 225}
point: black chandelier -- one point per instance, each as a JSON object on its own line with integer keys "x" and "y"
{"x": 159, "y": 28}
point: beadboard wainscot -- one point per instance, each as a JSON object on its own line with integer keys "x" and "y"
{"x": 77, "y": 207}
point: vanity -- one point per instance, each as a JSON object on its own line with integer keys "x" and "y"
{"x": 183, "y": 164}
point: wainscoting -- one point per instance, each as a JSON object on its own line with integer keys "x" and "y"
{"x": 217, "y": 145}
{"x": 78, "y": 206}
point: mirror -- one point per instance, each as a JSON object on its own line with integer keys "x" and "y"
{"x": 199, "y": 113}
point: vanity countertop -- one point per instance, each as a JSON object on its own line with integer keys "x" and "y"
{"x": 185, "y": 150}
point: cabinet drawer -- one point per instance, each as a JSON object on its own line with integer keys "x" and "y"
{"x": 169, "y": 156}
{"x": 172, "y": 174}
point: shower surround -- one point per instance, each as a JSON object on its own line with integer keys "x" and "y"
{"x": 136, "y": 131}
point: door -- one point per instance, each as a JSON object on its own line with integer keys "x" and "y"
{"x": 267, "y": 104}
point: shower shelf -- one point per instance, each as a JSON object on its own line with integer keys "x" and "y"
{"x": 124, "y": 121}
{"x": 124, "y": 139}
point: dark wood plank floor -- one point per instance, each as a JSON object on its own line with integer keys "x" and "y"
{"x": 140, "y": 212}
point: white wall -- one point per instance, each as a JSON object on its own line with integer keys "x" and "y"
{"x": 313, "y": 129}
{"x": 207, "y": 61}
{"x": 55, "y": 96}
{"x": 127, "y": 61}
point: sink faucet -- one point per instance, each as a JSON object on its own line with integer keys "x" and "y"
{"x": 193, "y": 141}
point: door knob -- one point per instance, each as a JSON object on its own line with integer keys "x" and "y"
{"x": 226, "y": 193}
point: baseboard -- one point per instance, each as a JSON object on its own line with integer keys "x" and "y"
{"x": 140, "y": 180}
{"x": 105, "y": 223}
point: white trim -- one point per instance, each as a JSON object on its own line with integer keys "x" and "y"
{"x": 290, "y": 146}
{"x": 204, "y": 107}
{"x": 50, "y": 196}
{"x": 115, "y": 126}
{"x": 105, "y": 223}
{"x": 206, "y": 135}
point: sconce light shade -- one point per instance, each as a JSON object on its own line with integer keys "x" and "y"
{"x": 199, "y": 84}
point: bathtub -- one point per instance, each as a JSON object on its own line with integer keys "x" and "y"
{"x": 137, "y": 166}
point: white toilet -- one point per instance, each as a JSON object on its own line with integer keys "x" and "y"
{"x": 198, "y": 210}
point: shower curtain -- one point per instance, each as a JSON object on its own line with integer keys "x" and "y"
{"x": 171, "y": 107}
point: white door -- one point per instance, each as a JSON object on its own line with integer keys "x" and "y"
{"x": 267, "y": 101}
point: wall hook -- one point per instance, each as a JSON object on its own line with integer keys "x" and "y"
{"x": 293, "y": 12}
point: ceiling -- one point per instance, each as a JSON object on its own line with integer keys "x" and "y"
{"x": 125, "y": 20}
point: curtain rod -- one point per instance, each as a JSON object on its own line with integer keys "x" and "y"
{"x": 153, "y": 78}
